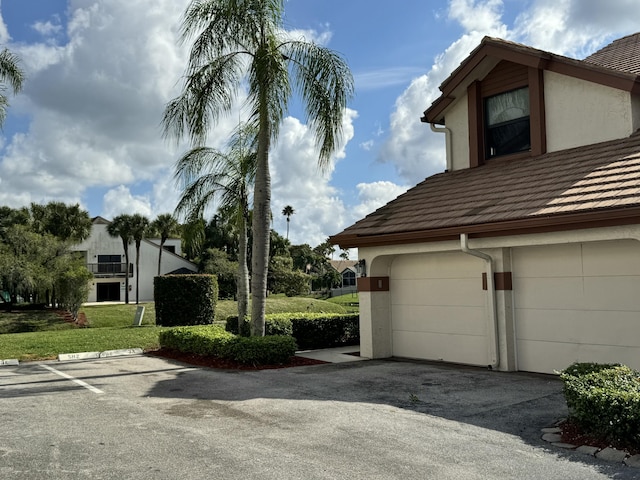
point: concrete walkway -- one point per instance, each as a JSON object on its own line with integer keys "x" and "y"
{"x": 334, "y": 355}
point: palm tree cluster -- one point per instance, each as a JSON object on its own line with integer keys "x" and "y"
{"x": 243, "y": 43}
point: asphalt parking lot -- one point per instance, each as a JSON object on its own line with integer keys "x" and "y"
{"x": 143, "y": 417}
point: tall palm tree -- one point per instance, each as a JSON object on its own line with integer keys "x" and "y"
{"x": 287, "y": 212}
{"x": 204, "y": 172}
{"x": 120, "y": 226}
{"x": 12, "y": 74}
{"x": 139, "y": 230}
{"x": 165, "y": 225}
{"x": 243, "y": 42}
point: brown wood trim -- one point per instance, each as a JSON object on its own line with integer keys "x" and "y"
{"x": 476, "y": 136}
{"x": 373, "y": 284}
{"x": 501, "y": 281}
{"x": 537, "y": 113}
{"x": 557, "y": 223}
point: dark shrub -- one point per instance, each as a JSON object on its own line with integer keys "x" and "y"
{"x": 201, "y": 339}
{"x": 271, "y": 350}
{"x": 185, "y": 299}
{"x": 272, "y": 326}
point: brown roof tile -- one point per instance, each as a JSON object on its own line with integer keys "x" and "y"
{"x": 622, "y": 55}
{"x": 599, "y": 177}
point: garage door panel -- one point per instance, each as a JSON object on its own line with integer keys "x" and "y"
{"x": 449, "y": 348}
{"x": 561, "y": 355}
{"x": 425, "y": 319}
{"x": 443, "y": 265}
{"x": 548, "y": 261}
{"x": 612, "y": 293}
{"x": 559, "y": 292}
{"x": 446, "y": 291}
{"x": 593, "y": 327}
{"x": 611, "y": 258}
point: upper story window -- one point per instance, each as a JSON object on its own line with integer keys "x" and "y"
{"x": 507, "y": 124}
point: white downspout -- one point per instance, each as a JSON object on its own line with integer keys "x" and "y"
{"x": 494, "y": 347}
{"x": 447, "y": 137}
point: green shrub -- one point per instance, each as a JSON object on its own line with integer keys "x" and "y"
{"x": 325, "y": 330}
{"x": 270, "y": 350}
{"x": 272, "y": 326}
{"x": 185, "y": 299}
{"x": 604, "y": 400}
{"x": 201, "y": 339}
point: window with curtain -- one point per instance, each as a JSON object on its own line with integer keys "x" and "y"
{"x": 507, "y": 126}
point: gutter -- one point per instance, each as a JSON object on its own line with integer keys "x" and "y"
{"x": 447, "y": 136}
{"x": 494, "y": 347}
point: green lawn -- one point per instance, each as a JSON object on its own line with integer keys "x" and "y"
{"x": 38, "y": 335}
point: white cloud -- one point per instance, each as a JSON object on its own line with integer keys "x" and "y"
{"x": 375, "y": 195}
{"x": 120, "y": 200}
{"x": 47, "y": 28}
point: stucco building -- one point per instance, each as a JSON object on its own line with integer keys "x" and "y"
{"x": 525, "y": 253}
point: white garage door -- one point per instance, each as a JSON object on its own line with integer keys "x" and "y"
{"x": 578, "y": 302}
{"x": 438, "y": 308}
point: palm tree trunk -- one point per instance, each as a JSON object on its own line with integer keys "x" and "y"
{"x": 261, "y": 215}
{"x": 126, "y": 268}
{"x": 243, "y": 273}
{"x": 137, "y": 272}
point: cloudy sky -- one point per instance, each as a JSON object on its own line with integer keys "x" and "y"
{"x": 86, "y": 127}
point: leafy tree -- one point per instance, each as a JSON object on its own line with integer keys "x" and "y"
{"x": 121, "y": 227}
{"x": 11, "y": 74}
{"x": 73, "y": 287}
{"x": 206, "y": 172}
{"x": 216, "y": 262}
{"x": 66, "y": 222}
{"x": 287, "y": 212}
{"x": 139, "y": 225}
{"x": 243, "y": 42}
{"x": 165, "y": 226}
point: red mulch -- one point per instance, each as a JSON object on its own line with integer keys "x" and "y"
{"x": 572, "y": 434}
{"x": 67, "y": 317}
{"x": 214, "y": 362}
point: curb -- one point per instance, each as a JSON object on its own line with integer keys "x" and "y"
{"x": 63, "y": 357}
{"x": 553, "y": 435}
{"x": 10, "y": 361}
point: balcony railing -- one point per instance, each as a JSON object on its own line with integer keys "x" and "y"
{"x": 103, "y": 270}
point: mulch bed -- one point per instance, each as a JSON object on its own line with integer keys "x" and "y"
{"x": 214, "y": 362}
{"x": 572, "y": 434}
{"x": 67, "y": 317}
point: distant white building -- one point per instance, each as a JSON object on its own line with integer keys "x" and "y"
{"x": 104, "y": 256}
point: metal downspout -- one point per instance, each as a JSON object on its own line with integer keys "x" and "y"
{"x": 491, "y": 292}
{"x": 447, "y": 137}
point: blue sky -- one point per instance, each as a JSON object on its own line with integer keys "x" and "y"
{"x": 99, "y": 73}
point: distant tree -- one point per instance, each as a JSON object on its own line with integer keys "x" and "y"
{"x": 121, "y": 227}
{"x": 73, "y": 287}
{"x": 165, "y": 226}
{"x": 139, "y": 229}
{"x": 66, "y": 222}
{"x": 10, "y": 74}
{"x": 287, "y": 212}
{"x": 344, "y": 255}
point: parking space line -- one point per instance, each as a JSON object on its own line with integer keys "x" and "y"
{"x": 73, "y": 379}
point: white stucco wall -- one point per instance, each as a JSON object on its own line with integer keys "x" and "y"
{"x": 458, "y": 123}
{"x": 581, "y": 113}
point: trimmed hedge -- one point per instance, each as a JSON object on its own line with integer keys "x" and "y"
{"x": 311, "y": 330}
{"x": 216, "y": 341}
{"x": 604, "y": 400}
{"x": 185, "y": 299}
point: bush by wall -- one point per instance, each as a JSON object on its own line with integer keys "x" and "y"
{"x": 604, "y": 400}
{"x": 185, "y": 299}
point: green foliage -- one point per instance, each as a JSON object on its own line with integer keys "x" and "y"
{"x": 72, "y": 287}
{"x": 325, "y": 330}
{"x": 292, "y": 284}
{"x": 185, "y": 299}
{"x": 271, "y": 350}
{"x": 273, "y": 325}
{"x": 216, "y": 262}
{"x": 201, "y": 340}
{"x": 604, "y": 400}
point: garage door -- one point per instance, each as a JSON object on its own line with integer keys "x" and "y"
{"x": 438, "y": 308}
{"x": 578, "y": 302}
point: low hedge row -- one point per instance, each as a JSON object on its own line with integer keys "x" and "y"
{"x": 311, "y": 330}
{"x": 604, "y": 400}
{"x": 216, "y": 341}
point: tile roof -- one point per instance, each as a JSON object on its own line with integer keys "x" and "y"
{"x": 622, "y": 55}
{"x": 602, "y": 177}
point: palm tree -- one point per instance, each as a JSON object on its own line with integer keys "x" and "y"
{"x": 204, "y": 172}
{"x": 165, "y": 225}
{"x": 120, "y": 226}
{"x": 287, "y": 212}
{"x": 139, "y": 230}
{"x": 243, "y": 42}
{"x": 12, "y": 74}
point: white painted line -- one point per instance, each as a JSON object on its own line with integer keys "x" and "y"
{"x": 121, "y": 352}
{"x": 10, "y": 361}
{"x": 78, "y": 356}
{"x": 73, "y": 379}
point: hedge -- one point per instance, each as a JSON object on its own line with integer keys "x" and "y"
{"x": 604, "y": 400}
{"x": 185, "y": 299}
{"x": 214, "y": 340}
{"x": 311, "y": 330}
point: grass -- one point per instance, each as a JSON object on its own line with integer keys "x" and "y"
{"x": 41, "y": 335}
{"x": 350, "y": 302}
